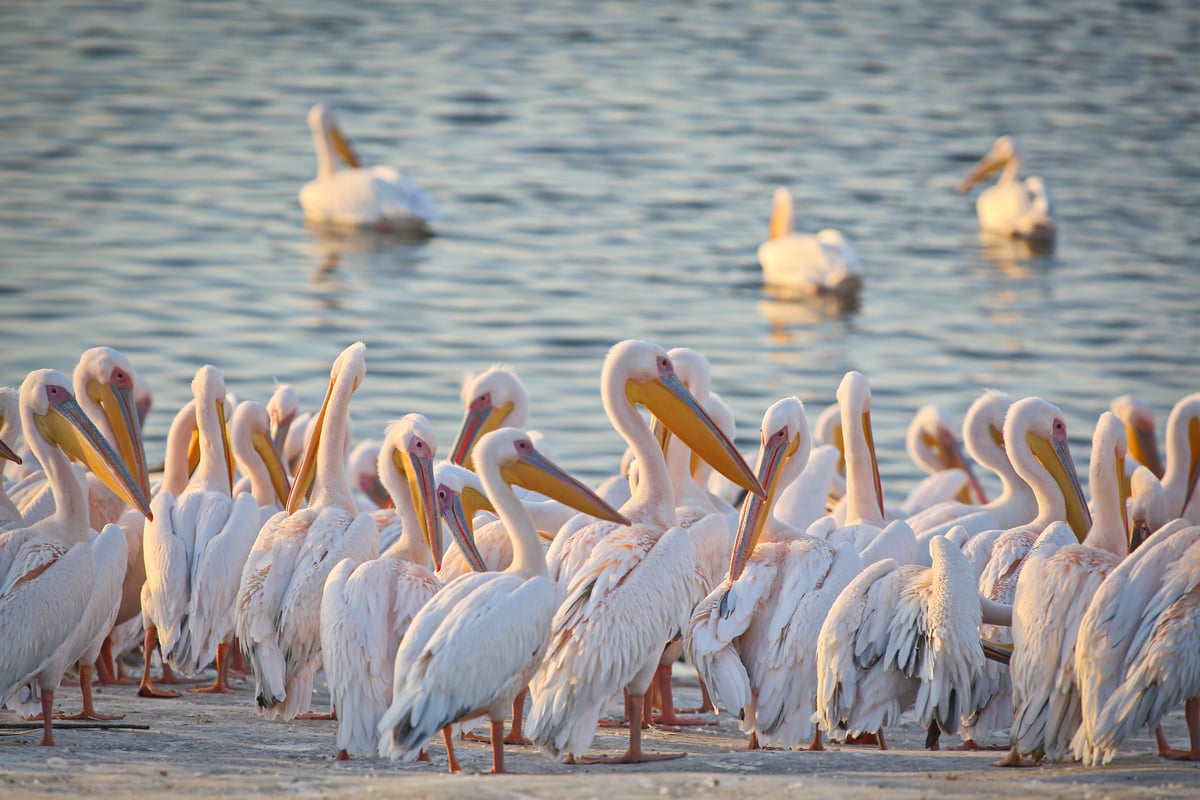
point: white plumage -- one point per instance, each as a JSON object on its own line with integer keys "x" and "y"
{"x": 1012, "y": 207}
{"x": 805, "y": 263}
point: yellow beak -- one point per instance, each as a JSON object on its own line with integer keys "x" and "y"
{"x": 120, "y": 410}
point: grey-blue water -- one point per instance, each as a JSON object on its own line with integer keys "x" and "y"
{"x": 605, "y": 171}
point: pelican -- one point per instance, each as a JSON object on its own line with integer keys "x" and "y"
{"x": 753, "y": 638}
{"x": 899, "y": 635}
{"x": 347, "y": 194}
{"x": 366, "y": 608}
{"x": 1182, "y": 473}
{"x": 627, "y": 588}
{"x": 933, "y": 446}
{"x": 1035, "y": 438}
{"x": 256, "y": 458}
{"x": 195, "y": 549}
{"x": 1055, "y": 586}
{"x": 283, "y": 409}
{"x": 1020, "y": 209}
{"x": 474, "y": 646}
{"x": 820, "y": 264}
{"x": 364, "y": 474}
{"x": 279, "y": 600}
{"x": 1138, "y": 418}
{"x": 46, "y": 596}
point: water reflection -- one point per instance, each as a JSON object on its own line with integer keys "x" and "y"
{"x": 791, "y": 315}
{"x": 1016, "y": 257}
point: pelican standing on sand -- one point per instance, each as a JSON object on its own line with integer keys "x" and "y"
{"x": 820, "y": 264}
{"x": 627, "y": 588}
{"x": 279, "y": 601}
{"x": 1020, "y": 209}
{"x": 474, "y": 646}
{"x": 347, "y": 194}
{"x": 367, "y": 608}
{"x": 44, "y": 596}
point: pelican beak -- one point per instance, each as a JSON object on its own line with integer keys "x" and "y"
{"x": 481, "y": 417}
{"x": 193, "y": 452}
{"x": 459, "y": 513}
{"x": 539, "y": 474}
{"x": 341, "y": 145}
{"x": 669, "y": 400}
{"x": 306, "y": 470}
{"x": 662, "y": 434}
{"x": 1144, "y": 448}
{"x": 996, "y": 651}
{"x": 8, "y": 452}
{"x": 116, "y": 400}
{"x": 376, "y": 492}
{"x": 954, "y": 458}
{"x": 68, "y": 426}
{"x": 779, "y": 222}
{"x": 265, "y": 448}
{"x": 225, "y": 446}
{"x": 870, "y": 436}
{"x": 755, "y": 509}
{"x": 417, "y": 470}
{"x": 1055, "y": 456}
{"x": 280, "y": 434}
{"x": 1124, "y": 487}
{"x": 985, "y": 167}
{"x": 839, "y": 441}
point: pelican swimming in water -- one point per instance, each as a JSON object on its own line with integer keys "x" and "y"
{"x": 820, "y": 264}
{"x": 753, "y": 638}
{"x": 626, "y": 589}
{"x": 1012, "y": 207}
{"x": 347, "y": 194}
{"x": 367, "y": 608}
{"x": 473, "y": 647}
{"x": 47, "y": 594}
{"x": 279, "y": 600}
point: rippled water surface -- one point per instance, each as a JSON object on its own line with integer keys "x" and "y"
{"x": 605, "y": 171}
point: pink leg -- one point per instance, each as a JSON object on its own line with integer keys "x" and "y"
{"x": 635, "y": 754}
{"x": 1192, "y": 715}
{"x": 85, "y": 689}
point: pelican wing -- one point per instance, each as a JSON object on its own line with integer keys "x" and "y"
{"x": 167, "y": 542}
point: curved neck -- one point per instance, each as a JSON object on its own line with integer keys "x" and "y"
{"x": 331, "y": 484}
{"x": 1179, "y": 456}
{"x": 327, "y": 163}
{"x": 652, "y": 499}
{"x": 175, "y": 462}
{"x": 529, "y": 559}
{"x": 212, "y": 473}
{"x": 1108, "y": 529}
{"x": 1050, "y": 502}
{"x": 862, "y": 499}
{"x": 66, "y": 483}
{"x": 411, "y": 539}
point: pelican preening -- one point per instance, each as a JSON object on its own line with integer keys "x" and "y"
{"x": 808, "y": 264}
{"x": 349, "y": 195}
{"x": 1013, "y": 207}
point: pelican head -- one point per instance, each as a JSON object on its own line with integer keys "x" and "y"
{"x": 105, "y": 382}
{"x": 694, "y": 369}
{"x": 1148, "y": 511}
{"x": 49, "y": 407}
{"x": 933, "y": 443}
{"x": 281, "y": 410}
{"x": 348, "y": 371}
{"x": 251, "y": 438}
{"x": 647, "y": 375}
{"x": 520, "y": 464}
{"x": 1004, "y": 151}
{"x": 364, "y": 472}
{"x": 1040, "y": 426}
{"x": 854, "y": 397}
{"x": 460, "y": 497}
{"x": 983, "y": 426}
{"x": 494, "y": 399}
{"x": 785, "y": 444}
{"x": 406, "y": 469}
{"x": 1138, "y": 418}
{"x": 325, "y": 129}
{"x": 208, "y": 387}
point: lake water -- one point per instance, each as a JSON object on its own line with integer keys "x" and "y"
{"x": 605, "y": 171}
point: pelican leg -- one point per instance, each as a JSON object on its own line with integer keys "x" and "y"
{"x": 707, "y": 706}
{"x": 221, "y": 684}
{"x": 497, "y": 746}
{"x": 817, "y": 745}
{"x": 1013, "y": 759}
{"x": 634, "y": 754}
{"x": 449, "y": 740}
{"x": 147, "y": 687}
{"x": 85, "y": 690}
{"x": 666, "y": 693}
{"x": 1192, "y": 715}
{"x": 47, "y": 713}
{"x": 970, "y": 745}
{"x": 237, "y": 661}
{"x": 342, "y": 755}
{"x": 515, "y": 735}
{"x": 753, "y": 743}
{"x": 108, "y": 670}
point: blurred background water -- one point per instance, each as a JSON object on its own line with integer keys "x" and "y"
{"x": 605, "y": 171}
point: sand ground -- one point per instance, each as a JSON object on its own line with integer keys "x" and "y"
{"x": 216, "y": 746}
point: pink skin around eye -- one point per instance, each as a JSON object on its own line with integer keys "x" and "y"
{"x": 481, "y": 402}
{"x": 120, "y": 378}
{"x": 56, "y": 394}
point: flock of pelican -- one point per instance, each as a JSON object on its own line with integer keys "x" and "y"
{"x": 431, "y": 595}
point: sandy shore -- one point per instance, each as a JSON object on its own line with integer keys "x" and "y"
{"x": 209, "y": 746}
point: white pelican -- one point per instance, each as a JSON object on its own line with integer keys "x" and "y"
{"x": 1182, "y": 472}
{"x": 899, "y": 635}
{"x": 347, "y": 194}
{"x": 627, "y": 588}
{"x": 1035, "y": 437}
{"x": 46, "y": 592}
{"x": 279, "y": 601}
{"x": 754, "y": 637}
{"x": 492, "y": 399}
{"x": 983, "y": 436}
{"x": 820, "y": 264}
{"x": 366, "y": 608}
{"x": 195, "y": 550}
{"x": 1137, "y": 653}
{"x": 1012, "y": 207}
{"x": 283, "y": 408}
{"x": 933, "y": 445}
{"x": 256, "y": 458}
{"x": 1052, "y": 593}
{"x": 1138, "y": 418}
{"x": 363, "y": 463}
{"x": 474, "y": 646}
